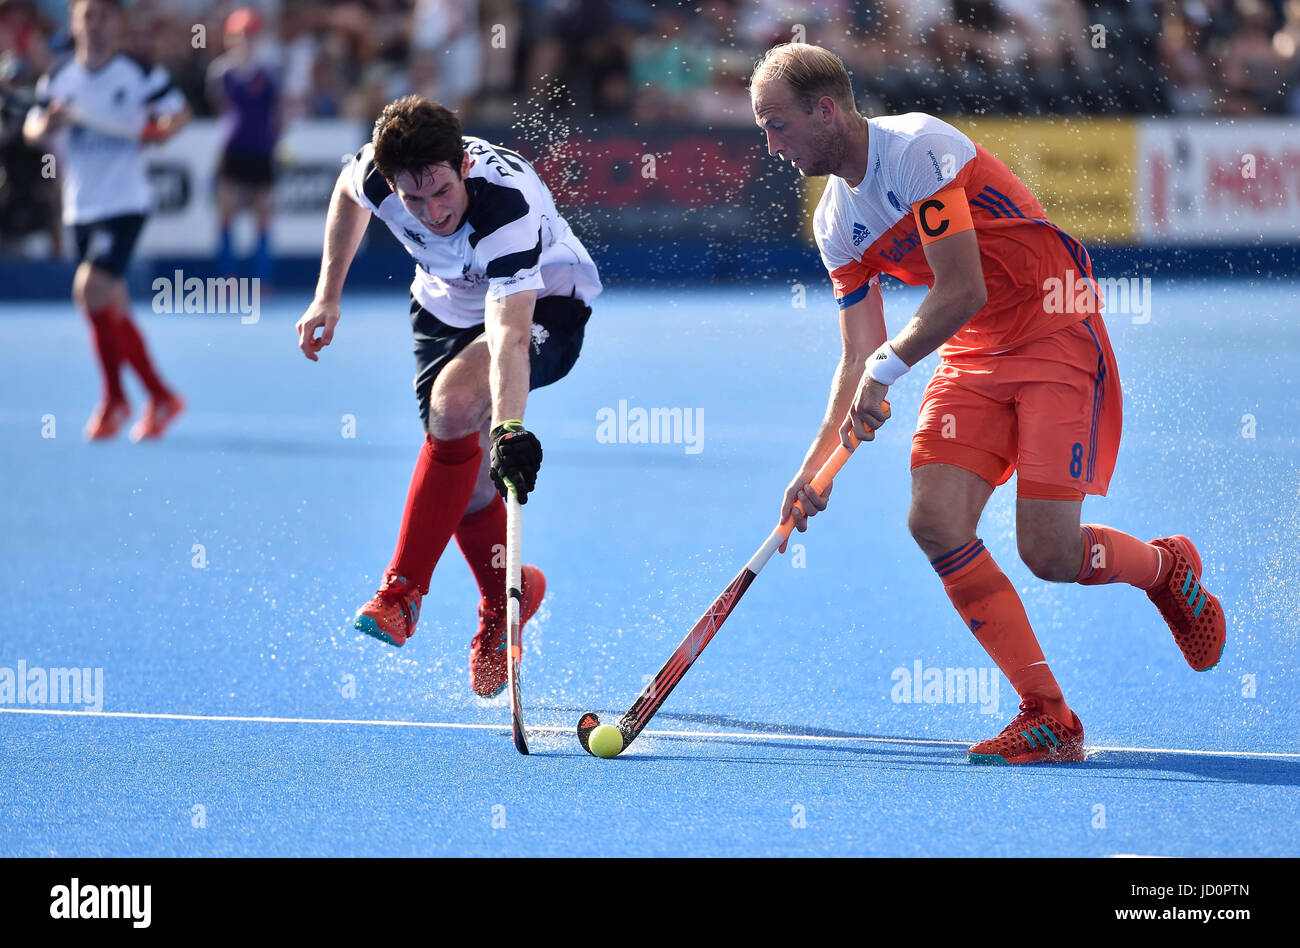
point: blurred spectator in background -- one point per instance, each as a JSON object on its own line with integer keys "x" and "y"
{"x": 1252, "y": 67}
{"x": 668, "y": 69}
{"x": 299, "y": 47}
{"x": 673, "y": 61}
{"x": 667, "y": 60}
{"x": 29, "y": 199}
{"x": 1287, "y": 43}
{"x": 724, "y": 99}
{"x": 244, "y": 87}
{"x": 24, "y": 46}
{"x": 1184, "y": 56}
{"x": 446, "y": 53}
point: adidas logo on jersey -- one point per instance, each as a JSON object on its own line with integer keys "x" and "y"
{"x": 860, "y": 234}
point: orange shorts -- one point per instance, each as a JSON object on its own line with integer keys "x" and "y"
{"x": 1050, "y": 409}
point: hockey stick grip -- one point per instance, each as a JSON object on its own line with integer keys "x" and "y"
{"x": 825, "y": 474}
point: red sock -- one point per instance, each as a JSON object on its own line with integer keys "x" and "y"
{"x": 441, "y": 486}
{"x": 103, "y": 332}
{"x": 131, "y": 345}
{"x": 988, "y": 604}
{"x": 482, "y": 538}
{"x": 1112, "y": 556}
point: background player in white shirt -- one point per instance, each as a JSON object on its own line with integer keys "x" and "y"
{"x": 106, "y": 194}
{"x": 498, "y": 307}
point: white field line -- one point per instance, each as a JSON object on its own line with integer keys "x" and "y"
{"x": 714, "y": 735}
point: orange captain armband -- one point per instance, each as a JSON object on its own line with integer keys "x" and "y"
{"x": 942, "y": 215}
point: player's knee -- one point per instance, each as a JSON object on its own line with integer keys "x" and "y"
{"x": 93, "y": 287}
{"x": 933, "y": 532}
{"x": 81, "y": 283}
{"x": 456, "y": 412}
{"x": 1049, "y": 560}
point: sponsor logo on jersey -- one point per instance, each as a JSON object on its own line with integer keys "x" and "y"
{"x": 860, "y": 233}
{"x": 415, "y": 236}
{"x": 894, "y": 201}
{"x": 938, "y": 172}
{"x": 902, "y": 247}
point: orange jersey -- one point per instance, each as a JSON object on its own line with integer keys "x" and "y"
{"x": 926, "y": 180}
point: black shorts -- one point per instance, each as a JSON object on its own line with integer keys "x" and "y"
{"x": 253, "y": 169}
{"x": 558, "y": 326}
{"x": 108, "y": 244}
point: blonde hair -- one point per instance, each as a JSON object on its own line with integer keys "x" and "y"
{"x": 810, "y": 72}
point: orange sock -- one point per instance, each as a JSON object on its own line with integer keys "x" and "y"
{"x": 988, "y": 604}
{"x": 1112, "y": 556}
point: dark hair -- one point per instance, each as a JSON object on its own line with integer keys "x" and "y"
{"x": 413, "y": 133}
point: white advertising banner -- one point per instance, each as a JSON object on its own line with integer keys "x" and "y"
{"x": 183, "y": 174}
{"x": 1218, "y": 181}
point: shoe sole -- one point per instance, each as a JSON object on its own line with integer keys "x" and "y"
{"x": 998, "y": 760}
{"x": 367, "y": 625}
{"x": 1194, "y": 556}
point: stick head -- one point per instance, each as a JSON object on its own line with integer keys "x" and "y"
{"x": 586, "y": 724}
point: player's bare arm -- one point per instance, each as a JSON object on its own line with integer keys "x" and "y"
{"x": 862, "y": 328}
{"x": 516, "y": 452}
{"x": 508, "y": 323}
{"x": 958, "y": 294}
{"x": 345, "y": 224}
{"x": 43, "y": 122}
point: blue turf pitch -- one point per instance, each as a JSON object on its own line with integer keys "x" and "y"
{"x": 791, "y": 738}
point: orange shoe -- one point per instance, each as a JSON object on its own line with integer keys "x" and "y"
{"x": 487, "y": 650}
{"x": 1193, "y": 615}
{"x": 391, "y": 614}
{"x": 1034, "y": 737}
{"x": 107, "y": 420}
{"x": 158, "y": 415}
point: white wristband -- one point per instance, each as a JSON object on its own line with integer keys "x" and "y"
{"x": 885, "y": 366}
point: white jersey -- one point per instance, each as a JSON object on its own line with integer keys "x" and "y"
{"x": 512, "y": 238}
{"x": 103, "y": 175}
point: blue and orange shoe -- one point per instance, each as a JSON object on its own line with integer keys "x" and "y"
{"x": 487, "y": 650}
{"x": 1034, "y": 737}
{"x": 391, "y": 614}
{"x": 1193, "y": 615}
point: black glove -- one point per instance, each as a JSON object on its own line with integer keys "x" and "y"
{"x": 516, "y": 458}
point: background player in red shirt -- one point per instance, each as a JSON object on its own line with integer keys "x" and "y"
{"x": 1024, "y": 383}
